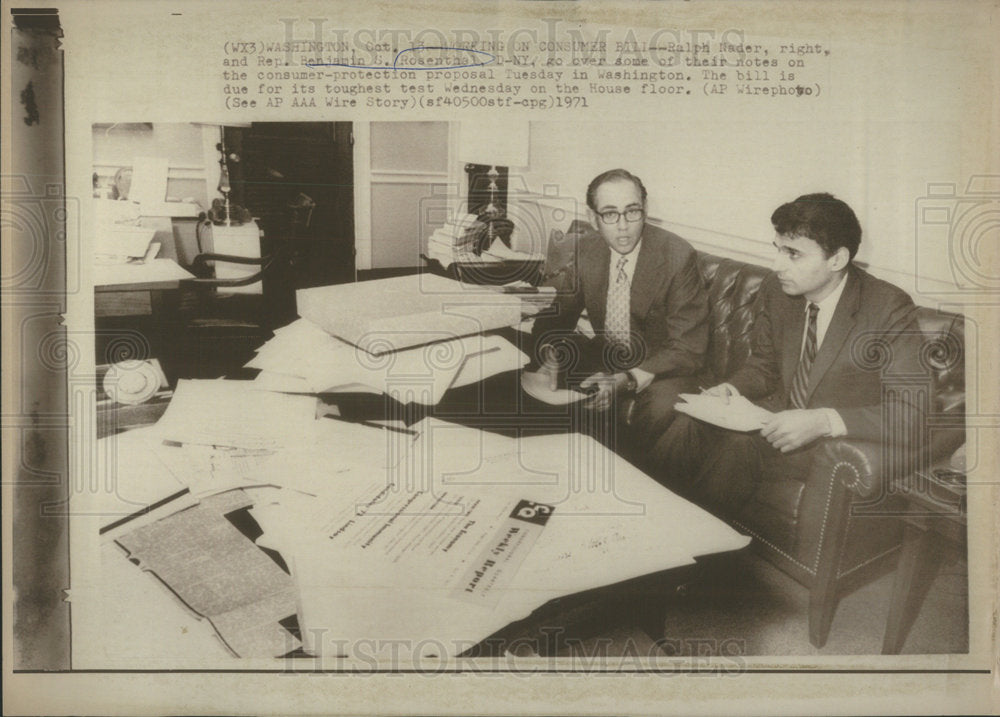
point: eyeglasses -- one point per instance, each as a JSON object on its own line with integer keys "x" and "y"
{"x": 611, "y": 216}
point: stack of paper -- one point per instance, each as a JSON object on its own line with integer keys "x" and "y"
{"x": 455, "y": 241}
{"x": 392, "y": 314}
{"x": 499, "y": 251}
{"x": 304, "y": 358}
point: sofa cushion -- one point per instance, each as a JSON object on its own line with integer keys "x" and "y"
{"x": 732, "y": 287}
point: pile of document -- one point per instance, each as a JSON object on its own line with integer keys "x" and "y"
{"x": 498, "y": 251}
{"x": 220, "y": 448}
{"x": 303, "y": 358}
{"x": 456, "y": 240}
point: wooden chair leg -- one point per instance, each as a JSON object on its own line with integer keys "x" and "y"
{"x": 917, "y": 567}
{"x": 823, "y": 595}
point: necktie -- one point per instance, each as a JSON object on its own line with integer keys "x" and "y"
{"x": 617, "y": 323}
{"x": 800, "y": 383}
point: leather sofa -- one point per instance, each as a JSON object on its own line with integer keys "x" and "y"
{"x": 837, "y": 526}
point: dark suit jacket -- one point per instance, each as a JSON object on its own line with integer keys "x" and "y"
{"x": 872, "y": 338}
{"x": 668, "y": 301}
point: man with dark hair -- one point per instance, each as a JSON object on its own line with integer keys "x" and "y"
{"x": 646, "y": 301}
{"x": 823, "y": 218}
{"x": 816, "y": 315}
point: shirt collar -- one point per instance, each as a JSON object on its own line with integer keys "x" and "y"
{"x": 633, "y": 258}
{"x": 827, "y": 305}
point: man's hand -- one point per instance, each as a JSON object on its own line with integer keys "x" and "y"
{"x": 789, "y": 430}
{"x": 724, "y": 391}
{"x": 607, "y": 386}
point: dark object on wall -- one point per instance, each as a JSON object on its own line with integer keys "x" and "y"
{"x": 488, "y": 204}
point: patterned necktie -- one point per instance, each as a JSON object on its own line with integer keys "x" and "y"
{"x": 617, "y": 324}
{"x": 800, "y": 383}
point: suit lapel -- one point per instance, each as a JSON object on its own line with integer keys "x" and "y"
{"x": 791, "y": 344}
{"x": 595, "y": 280}
{"x": 648, "y": 273}
{"x": 836, "y": 334}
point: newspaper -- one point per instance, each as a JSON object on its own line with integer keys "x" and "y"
{"x": 725, "y": 110}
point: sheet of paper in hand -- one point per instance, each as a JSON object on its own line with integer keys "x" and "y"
{"x": 739, "y": 414}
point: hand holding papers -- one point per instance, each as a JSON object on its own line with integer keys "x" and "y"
{"x": 737, "y": 413}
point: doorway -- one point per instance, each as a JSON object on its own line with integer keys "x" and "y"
{"x": 277, "y": 166}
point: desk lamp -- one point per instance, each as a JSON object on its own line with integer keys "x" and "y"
{"x": 224, "y": 212}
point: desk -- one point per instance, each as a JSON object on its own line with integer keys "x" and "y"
{"x": 154, "y": 275}
{"x": 135, "y": 310}
{"x": 686, "y": 530}
{"x": 133, "y": 289}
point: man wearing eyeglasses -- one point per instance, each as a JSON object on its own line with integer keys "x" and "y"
{"x": 646, "y": 301}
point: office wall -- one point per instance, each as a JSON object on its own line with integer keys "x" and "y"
{"x": 191, "y": 172}
{"x": 403, "y": 173}
{"x": 717, "y": 183}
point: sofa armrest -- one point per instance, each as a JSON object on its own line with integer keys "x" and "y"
{"x": 862, "y": 466}
{"x": 856, "y": 464}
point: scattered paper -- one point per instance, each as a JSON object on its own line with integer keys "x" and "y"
{"x": 213, "y": 469}
{"x": 234, "y": 413}
{"x": 498, "y": 355}
{"x": 380, "y": 316}
{"x": 304, "y": 357}
{"x": 471, "y": 532}
{"x": 220, "y": 574}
